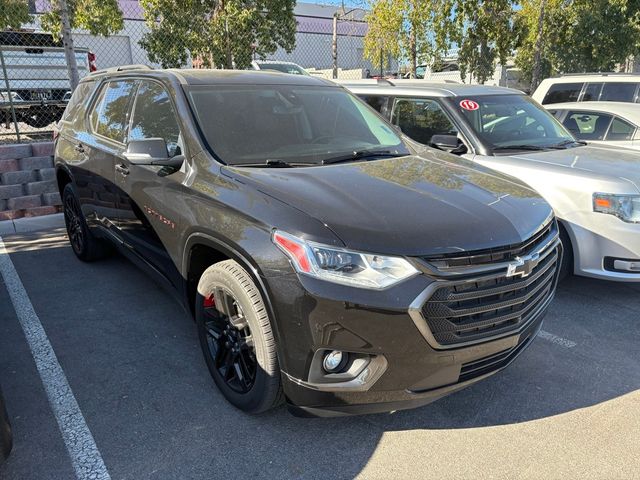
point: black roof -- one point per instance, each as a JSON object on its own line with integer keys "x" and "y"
{"x": 215, "y": 77}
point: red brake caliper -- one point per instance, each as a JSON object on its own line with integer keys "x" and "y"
{"x": 209, "y": 301}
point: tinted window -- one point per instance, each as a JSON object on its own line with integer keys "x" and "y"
{"x": 154, "y": 117}
{"x": 563, "y": 92}
{"x": 76, "y": 107}
{"x": 618, "y": 92}
{"x": 620, "y": 130}
{"x": 421, "y": 119}
{"x": 592, "y": 92}
{"x": 250, "y": 124}
{"x": 587, "y": 125}
{"x": 375, "y": 102}
{"x": 110, "y": 114}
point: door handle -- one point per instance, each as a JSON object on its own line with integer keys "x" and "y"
{"x": 122, "y": 169}
{"x": 79, "y": 148}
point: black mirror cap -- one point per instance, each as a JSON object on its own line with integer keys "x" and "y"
{"x": 448, "y": 143}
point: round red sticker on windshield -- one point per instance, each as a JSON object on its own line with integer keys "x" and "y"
{"x": 469, "y": 105}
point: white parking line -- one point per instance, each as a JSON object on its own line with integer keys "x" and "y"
{"x": 85, "y": 457}
{"x": 563, "y": 342}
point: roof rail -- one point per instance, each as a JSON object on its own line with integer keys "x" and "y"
{"x": 122, "y": 68}
{"x": 386, "y": 82}
{"x": 598, "y": 74}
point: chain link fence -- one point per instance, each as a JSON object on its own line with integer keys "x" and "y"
{"x": 35, "y": 85}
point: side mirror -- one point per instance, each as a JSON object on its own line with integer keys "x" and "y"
{"x": 448, "y": 143}
{"x": 151, "y": 151}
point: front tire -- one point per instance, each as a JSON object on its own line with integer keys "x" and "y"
{"x": 83, "y": 243}
{"x": 236, "y": 338}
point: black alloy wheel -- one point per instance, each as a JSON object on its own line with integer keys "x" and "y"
{"x": 73, "y": 219}
{"x": 230, "y": 341}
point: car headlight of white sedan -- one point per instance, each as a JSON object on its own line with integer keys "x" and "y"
{"x": 625, "y": 207}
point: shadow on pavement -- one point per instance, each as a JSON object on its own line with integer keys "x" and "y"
{"x": 132, "y": 358}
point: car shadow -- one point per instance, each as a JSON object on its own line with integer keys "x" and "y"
{"x": 133, "y": 361}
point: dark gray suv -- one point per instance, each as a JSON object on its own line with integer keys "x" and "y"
{"x": 327, "y": 260}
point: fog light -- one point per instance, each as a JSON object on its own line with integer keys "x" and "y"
{"x": 334, "y": 361}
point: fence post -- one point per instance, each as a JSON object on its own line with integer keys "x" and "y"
{"x": 67, "y": 41}
{"x": 11, "y": 107}
{"x": 334, "y": 45}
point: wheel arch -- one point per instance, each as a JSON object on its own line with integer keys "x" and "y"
{"x": 209, "y": 249}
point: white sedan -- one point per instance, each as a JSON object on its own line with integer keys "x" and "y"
{"x": 606, "y": 123}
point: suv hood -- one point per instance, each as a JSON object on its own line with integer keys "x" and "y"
{"x": 606, "y": 161}
{"x": 407, "y": 206}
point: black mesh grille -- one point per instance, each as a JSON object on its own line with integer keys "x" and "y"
{"x": 471, "y": 310}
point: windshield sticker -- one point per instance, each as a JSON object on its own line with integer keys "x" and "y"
{"x": 469, "y": 105}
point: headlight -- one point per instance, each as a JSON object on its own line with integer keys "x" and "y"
{"x": 625, "y": 207}
{"x": 337, "y": 265}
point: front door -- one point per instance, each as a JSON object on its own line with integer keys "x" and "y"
{"x": 143, "y": 221}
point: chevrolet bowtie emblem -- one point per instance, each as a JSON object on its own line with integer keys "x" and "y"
{"x": 523, "y": 266}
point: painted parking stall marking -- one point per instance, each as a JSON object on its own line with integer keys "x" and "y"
{"x": 550, "y": 337}
{"x": 85, "y": 457}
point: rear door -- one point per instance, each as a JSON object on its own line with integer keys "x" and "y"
{"x": 143, "y": 219}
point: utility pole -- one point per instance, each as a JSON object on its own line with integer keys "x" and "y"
{"x": 537, "y": 58}
{"x": 67, "y": 41}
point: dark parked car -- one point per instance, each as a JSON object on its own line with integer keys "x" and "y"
{"x": 6, "y": 439}
{"x": 326, "y": 260}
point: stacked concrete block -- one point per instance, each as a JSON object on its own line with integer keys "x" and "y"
{"x": 28, "y": 185}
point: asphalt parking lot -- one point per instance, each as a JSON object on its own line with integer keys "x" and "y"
{"x": 569, "y": 407}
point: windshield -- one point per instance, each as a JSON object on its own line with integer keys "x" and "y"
{"x": 284, "y": 68}
{"x": 504, "y": 122}
{"x": 255, "y": 124}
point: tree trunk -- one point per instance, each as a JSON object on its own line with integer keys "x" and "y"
{"x": 537, "y": 57}
{"x": 413, "y": 53}
{"x": 67, "y": 41}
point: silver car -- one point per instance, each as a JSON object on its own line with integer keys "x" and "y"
{"x": 594, "y": 190}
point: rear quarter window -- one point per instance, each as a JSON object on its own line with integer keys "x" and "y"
{"x": 77, "y": 106}
{"x": 110, "y": 113}
{"x": 619, "y": 92}
{"x": 563, "y": 92}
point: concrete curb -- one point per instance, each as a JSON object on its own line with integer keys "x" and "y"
{"x": 31, "y": 224}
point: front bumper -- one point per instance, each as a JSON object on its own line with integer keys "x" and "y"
{"x": 598, "y": 245}
{"x": 408, "y": 370}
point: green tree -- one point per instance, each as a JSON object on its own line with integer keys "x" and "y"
{"x": 99, "y": 17}
{"x": 577, "y": 35}
{"x": 220, "y": 33}
{"x": 483, "y": 31}
{"x": 403, "y": 29}
{"x": 14, "y": 13}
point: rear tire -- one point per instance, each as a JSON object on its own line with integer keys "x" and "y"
{"x": 83, "y": 243}
{"x": 236, "y": 338}
{"x": 566, "y": 266}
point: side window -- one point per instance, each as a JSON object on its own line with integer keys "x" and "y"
{"x": 587, "y": 125}
{"x": 592, "y": 92}
{"x": 154, "y": 117}
{"x": 375, "y": 102}
{"x": 563, "y": 92}
{"x": 421, "y": 119}
{"x": 620, "y": 130}
{"x": 110, "y": 114}
{"x": 619, "y": 92}
{"x": 74, "y": 113}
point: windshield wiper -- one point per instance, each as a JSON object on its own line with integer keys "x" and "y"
{"x": 275, "y": 163}
{"x": 359, "y": 155}
{"x": 566, "y": 143}
{"x": 520, "y": 147}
